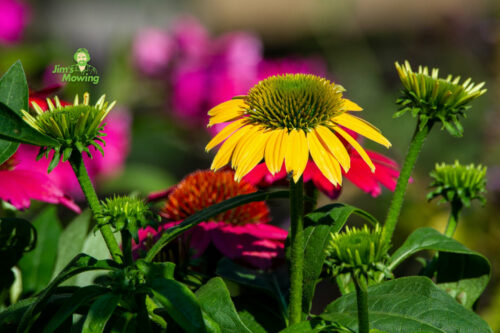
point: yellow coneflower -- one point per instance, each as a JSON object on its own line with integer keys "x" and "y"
{"x": 287, "y": 117}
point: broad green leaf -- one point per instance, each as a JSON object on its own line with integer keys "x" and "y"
{"x": 410, "y": 304}
{"x": 180, "y": 303}
{"x": 317, "y": 326}
{"x": 460, "y": 271}
{"x": 249, "y": 320}
{"x": 37, "y": 266}
{"x": 126, "y": 323}
{"x": 319, "y": 224}
{"x": 79, "y": 298}
{"x": 7, "y": 149}
{"x": 79, "y": 264}
{"x": 17, "y": 236}
{"x": 10, "y": 316}
{"x": 14, "y": 89}
{"x": 203, "y": 215}
{"x": 71, "y": 240}
{"x": 14, "y": 128}
{"x": 215, "y": 300}
{"x": 99, "y": 313}
{"x": 154, "y": 270}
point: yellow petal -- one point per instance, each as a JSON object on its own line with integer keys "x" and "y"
{"x": 253, "y": 156}
{"x": 348, "y": 105}
{"x": 336, "y": 147}
{"x": 357, "y": 147}
{"x": 362, "y": 127}
{"x": 226, "y": 150}
{"x": 244, "y": 145}
{"x": 323, "y": 159}
{"x": 228, "y": 107}
{"x": 275, "y": 150}
{"x": 224, "y": 133}
{"x": 297, "y": 153}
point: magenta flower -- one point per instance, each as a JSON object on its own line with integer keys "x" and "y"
{"x": 241, "y": 234}
{"x": 20, "y": 183}
{"x": 14, "y": 16}
{"x": 152, "y": 51}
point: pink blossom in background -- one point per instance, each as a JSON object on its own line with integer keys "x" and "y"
{"x": 20, "y": 183}
{"x": 14, "y": 16}
{"x": 152, "y": 51}
{"x": 191, "y": 37}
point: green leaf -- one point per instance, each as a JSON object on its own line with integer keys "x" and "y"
{"x": 205, "y": 214}
{"x": 126, "y": 323}
{"x": 38, "y": 265}
{"x": 410, "y": 304}
{"x": 316, "y": 326}
{"x": 14, "y": 128}
{"x": 180, "y": 303}
{"x": 71, "y": 240}
{"x": 7, "y": 149}
{"x": 79, "y": 298}
{"x": 155, "y": 270}
{"x": 462, "y": 272}
{"x": 215, "y": 300}
{"x": 14, "y": 88}
{"x": 99, "y": 313}
{"x": 319, "y": 224}
{"x": 10, "y": 316}
{"x": 80, "y": 263}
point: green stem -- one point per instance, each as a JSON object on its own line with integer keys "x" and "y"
{"x": 397, "y": 200}
{"x": 78, "y": 166}
{"x": 127, "y": 247}
{"x": 297, "y": 249}
{"x": 362, "y": 302}
{"x": 456, "y": 207}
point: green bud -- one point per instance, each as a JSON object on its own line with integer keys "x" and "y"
{"x": 434, "y": 99}
{"x": 76, "y": 126}
{"x": 458, "y": 183}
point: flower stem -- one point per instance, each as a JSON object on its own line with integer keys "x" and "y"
{"x": 78, "y": 166}
{"x": 397, "y": 200}
{"x": 297, "y": 249}
{"x": 362, "y": 302}
{"x": 456, "y": 207}
{"x": 127, "y": 247}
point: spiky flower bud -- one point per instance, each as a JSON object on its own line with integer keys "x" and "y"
{"x": 434, "y": 99}
{"x": 130, "y": 213}
{"x": 360, "y": 252}
{"x": 76, "y": 126}
{"x": 458, "y": 183}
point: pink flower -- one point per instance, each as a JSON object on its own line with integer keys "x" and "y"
{"x": 241, "y": 234}
{"x": 14, "y": 16}
{"x": 19, "y": 183}
{"x": 152, "y": 51}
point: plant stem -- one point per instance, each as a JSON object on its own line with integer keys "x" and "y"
{"x": 397, "y": 200}
{"x": 362, "y": 302}
{"x": 297, "y": 249}
{"x": 456, "y": 207}
{"x": 127, "y": 247}
{"x": 78, "y": 166}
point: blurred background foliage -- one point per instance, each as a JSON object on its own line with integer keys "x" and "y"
{"x": 358, "y": 41}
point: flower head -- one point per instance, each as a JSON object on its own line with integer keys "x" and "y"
{"x": 458, "y": 183}
{"x": 436, "y": 99}
{"x": 361, "y": 252}
{"x": 240, "y": 234}
{"x": 286, "y": 117}
{"x": 76, "y": 126}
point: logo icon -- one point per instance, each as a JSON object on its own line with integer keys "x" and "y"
{"x": 82, "y": 71}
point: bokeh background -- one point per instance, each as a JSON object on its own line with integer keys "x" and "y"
{"x": 168, "y": 62}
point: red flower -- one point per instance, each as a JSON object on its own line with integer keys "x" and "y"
{"x": 241, "y": 233}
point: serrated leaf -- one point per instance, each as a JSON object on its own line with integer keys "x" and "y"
{"x": 410, "y": 304}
